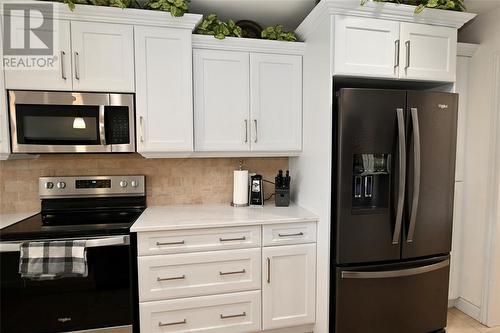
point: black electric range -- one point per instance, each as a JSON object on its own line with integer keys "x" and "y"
{"x": 100, "y": 210}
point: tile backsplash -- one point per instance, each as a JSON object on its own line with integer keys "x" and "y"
{"x": 169, "y": 181}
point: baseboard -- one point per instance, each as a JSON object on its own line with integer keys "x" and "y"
{"x": 468, "y": 308}
{"x": 451, "y": 303}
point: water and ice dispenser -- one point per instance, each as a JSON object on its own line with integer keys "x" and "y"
{"x": 371, "y": 183}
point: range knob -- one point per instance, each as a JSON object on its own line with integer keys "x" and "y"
{"x": 61, "y": 185}
{"x": 134, "y": 183}
{"x": 49, "y": 185}
{"x": 123, "y": 183}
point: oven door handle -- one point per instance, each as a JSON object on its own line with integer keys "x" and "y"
{"x": 92, "y": 242}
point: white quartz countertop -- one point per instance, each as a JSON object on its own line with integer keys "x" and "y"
{"x": 11, "y": 218}
{"x": 176, "y": 217}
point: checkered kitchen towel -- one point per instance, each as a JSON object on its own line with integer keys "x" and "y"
{"x": 53, "y": 260}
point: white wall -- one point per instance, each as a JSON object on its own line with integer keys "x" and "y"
{"x": 479, "y": 193}
{"x": 311, "y": 171}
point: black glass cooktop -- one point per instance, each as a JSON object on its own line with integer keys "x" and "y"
{"x": 77, "y": 218}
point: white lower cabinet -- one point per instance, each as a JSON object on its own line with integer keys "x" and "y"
{"x": 228, "y": 288}
{"x": 196, "y": 274}
{"x": 288, "y": 285}
{"x": 226, "y": 313}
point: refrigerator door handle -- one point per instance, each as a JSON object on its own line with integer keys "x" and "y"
{"x": 402, "y": 175}
{"x": 394, "y": 273}
{"x": 416, "y": 174}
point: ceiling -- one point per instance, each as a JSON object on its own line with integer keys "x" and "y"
{"x": 290, "y": 13}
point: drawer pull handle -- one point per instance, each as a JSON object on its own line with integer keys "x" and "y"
{"x": 231, "y": 273}
{"x": 174, "y": 323}
{"x": 172, "y": 278}
{"x": 291, "y": 235}
{"x": 232, "y": 239}
{"x": 244, "y": 314}
{"x": 171, "y": 243}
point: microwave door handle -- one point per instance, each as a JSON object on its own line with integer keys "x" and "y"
{"x": 97, "y": 242}
{"x": 416, "y": 174}
{"x": 402, "y": 175}
{"x": 102, "y": 127}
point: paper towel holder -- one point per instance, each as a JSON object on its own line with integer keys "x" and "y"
{"x": 245, "y": 189}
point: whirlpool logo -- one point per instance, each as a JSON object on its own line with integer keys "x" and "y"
{"x": 63, "y": 320}
{"x": 443, "y": 106}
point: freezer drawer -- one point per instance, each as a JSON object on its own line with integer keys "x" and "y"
{"x": 410, "y": 297}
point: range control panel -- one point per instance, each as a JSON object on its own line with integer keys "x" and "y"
{"x": 91, "y": 186}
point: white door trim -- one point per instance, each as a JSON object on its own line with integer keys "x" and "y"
{"x": 491, "y": 294}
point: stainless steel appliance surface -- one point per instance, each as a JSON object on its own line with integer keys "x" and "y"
{"x": 392, "y": 209}
{"x": 100, "y": 210}
{"x": 71, "y": 122}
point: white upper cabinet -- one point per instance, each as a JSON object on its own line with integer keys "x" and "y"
{"x": 366, "y": 47}
{"x": 369, "y": 47}
{"x": 59, "y": 76}
{"x": 164, "y": 105}
{"x": 276, "y": 102}
{"x": 428, "y": 52}
{"x": 288, "y": 285}
{"x": 4, "y": 126}
{"x": 221, "y": 100}
{"x": 103, "y": 57}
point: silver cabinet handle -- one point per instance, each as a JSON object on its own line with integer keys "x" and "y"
{"x": 416, "y": 174}
{"x": 182, "y": 277}
{"x": 63, "y": 69}
{"x": 174, "y": 323}
{"x": 268, "y": 270}
{"x": 232, "y": 239}
{"x": 232, "y": 273}
{"x": 256, "y": 130}
{"x": 141, "y": 128}
{"x": 396, "y": 54}
{"x": 396, "y": 273}
{"x": 246, "y": 130}
{"x": 402, "y": 177}
{"x": 291, "y": 235}
{"x": 244, "y": 314}
{"x": 170, "y": 243}
{"x": 407, "y": 43}
{"x": 77, "y": 66}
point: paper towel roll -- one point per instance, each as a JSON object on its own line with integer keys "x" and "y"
{"x": 240, "y": 187}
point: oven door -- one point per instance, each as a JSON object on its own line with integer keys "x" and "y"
{"x": 102, "y": 300}
{"x": 57, "y": 122}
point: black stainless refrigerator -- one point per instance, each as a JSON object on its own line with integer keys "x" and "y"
{"x": 392, "y": 210}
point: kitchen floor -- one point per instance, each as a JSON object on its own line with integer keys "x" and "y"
{"x": 459, "y": 322}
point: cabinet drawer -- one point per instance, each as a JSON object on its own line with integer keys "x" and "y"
{"x": 227, "y": 313}
{"x": 180, "y": 241}
{"x": 291, "y": 233}
{"x": 198, "y": 274}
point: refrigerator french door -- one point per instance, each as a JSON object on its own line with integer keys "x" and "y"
{"x": 392, "y": 209}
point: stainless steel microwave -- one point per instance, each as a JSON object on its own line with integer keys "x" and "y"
{"x": 71, "y": 122}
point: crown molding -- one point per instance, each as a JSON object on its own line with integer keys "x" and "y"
{"x": 117, "y": 15}
{"x": 466, "y": 49}
{"x": 385, "y": 11}
{"x": 248, "y": 45}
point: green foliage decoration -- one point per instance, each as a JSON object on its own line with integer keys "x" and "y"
{"x": 277, "y": 33}
{"x": 176, "y": 7}
{"x": 457, "y": 5}
{"x": 211, "y": 25}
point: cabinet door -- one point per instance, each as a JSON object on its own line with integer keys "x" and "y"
{"x": 288, "y": 285}
{"x": 366, "y": 47}
{"x": 276, "y": 102}
{"x": 4, "y": 118}
{"x": 164, "y": 90}
{"x": 57, "y": 78}
{"x": 221, "y": 100}
{"x": 103, "y": 57}
{"x": 428, "y": 52}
